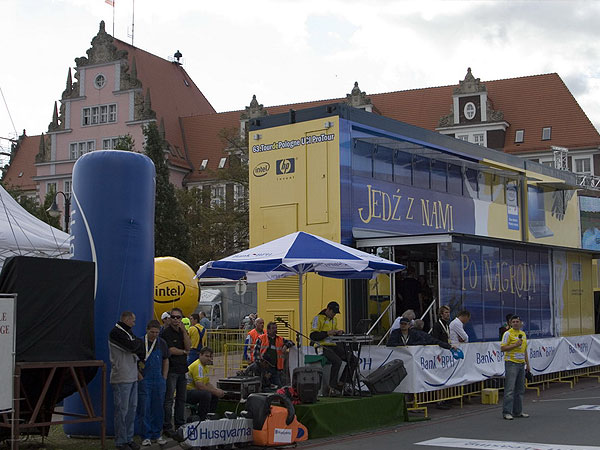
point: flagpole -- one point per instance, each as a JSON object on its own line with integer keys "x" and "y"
{"x": 113, "y": 5}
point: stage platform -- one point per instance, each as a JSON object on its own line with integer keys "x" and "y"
{"x": 332, "y": 416}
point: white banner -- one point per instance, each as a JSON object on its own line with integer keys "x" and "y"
{"x": 209, "y": 433}
{"x": 7, "y": 346}
{"x": 430, "y": 368}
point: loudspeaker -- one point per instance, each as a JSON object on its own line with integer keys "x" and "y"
{"x": 386, "y": 378}
{"x": 307, "y": 382}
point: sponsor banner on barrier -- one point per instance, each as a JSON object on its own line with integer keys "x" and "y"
{"x": 430, "y": 368}
{"x": 210, "y": 433}
{"x": 8, "y": 308}
{"x": 495, "y": 445}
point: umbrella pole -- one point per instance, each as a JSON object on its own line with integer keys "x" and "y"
{"x": 299, "y": 340}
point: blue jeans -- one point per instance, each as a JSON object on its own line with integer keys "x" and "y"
{"x": 514, "y": 388}
{"x": 176, "y": 385}
{"x": 125, "y": 402}
{"x": 151, "y": 398}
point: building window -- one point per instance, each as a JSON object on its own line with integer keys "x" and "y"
{"x": 519, "y": 136}
{"x": 463, "y": 137}
{"x": 204, "y": 164}
{"x": 479, "y": 138}
{"x": 110, "y": 143}
{"x": 239, "y": 193}
{"x": 51, "y": 188}
{"x": 222, "y": 163}
{"x": 67, "y": 189}
{"x": 582, "y": 165}
{"x": 470, "y": 110}
{"x": 95, "y": 115}
{"x": 217, "y": 194}
{"x": 549, "y": 163}
{"x": 546, "y": 133}
{"x": 99, "y": 81}
{"x": 76, "y": 149}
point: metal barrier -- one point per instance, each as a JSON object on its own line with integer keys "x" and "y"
{"x": 228, "y": 349}
{"x": 459, "y": 392}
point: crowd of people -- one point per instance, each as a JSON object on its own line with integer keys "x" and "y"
{"x": 165, "y": 367}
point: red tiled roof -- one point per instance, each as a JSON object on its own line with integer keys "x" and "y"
{"x": 171, "y": 97}
{"x": 23, "y": 162}
{"x": 529, "y": 103}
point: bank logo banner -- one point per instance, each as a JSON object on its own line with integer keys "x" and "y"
{"x": 285, "y": 166}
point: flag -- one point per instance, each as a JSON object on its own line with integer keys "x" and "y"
{"x": 110, "y": 2}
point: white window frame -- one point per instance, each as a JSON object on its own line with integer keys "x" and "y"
{"x": 519, "y": 136}
{"x": 470, "y": 110}
{"x": 99, "y": 114}
{"x": 67, "y": 187}
{"x": 217, "y": 194}
{"x": 76, "y": 149}
{"x": 583, "y": 159}
{"x": 112, "y": 143}
{"x": 463, "y": 137}
{"x": 99, "y": 81}
{"x": 549, "y": 131}
{"x": 479, "y": 139}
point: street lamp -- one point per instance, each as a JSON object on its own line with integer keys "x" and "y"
{"x": 55, "y": 212}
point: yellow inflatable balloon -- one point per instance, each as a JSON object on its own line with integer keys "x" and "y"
{"x": 174, "y": 286}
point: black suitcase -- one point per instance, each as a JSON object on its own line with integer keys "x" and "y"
{"x": 307, "y": 382}
{"x": 386, "y": 378}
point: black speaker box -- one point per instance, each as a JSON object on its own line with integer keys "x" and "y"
{"x": 386, "y": 378}
{"x": 307, "y": 382}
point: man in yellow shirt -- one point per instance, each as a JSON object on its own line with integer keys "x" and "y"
{"x": 200, "y": 390}
{"x": 197, "y": 337}
{"x": 516, "y": 363}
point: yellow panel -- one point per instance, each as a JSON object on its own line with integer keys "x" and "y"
{"x": 587, "y": 296}
{"x": 283, "y": 289}
{"x": 278, "y": 221}
{"x": 565, "y": 228}
{"x": 285, "y": 314}
{"x": 317, "y": 202}
{"x": 574, "y": 294}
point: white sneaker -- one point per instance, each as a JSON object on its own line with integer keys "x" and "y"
{"x": 146, "y": 443}
{"x": 524, "y": 415}
{"x": 508, "y": 416}
{"x": 161, "y": 441}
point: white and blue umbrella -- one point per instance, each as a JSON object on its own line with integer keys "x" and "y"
{"x": 296, "y": 254}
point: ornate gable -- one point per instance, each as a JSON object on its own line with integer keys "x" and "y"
{"x": 103, "y": 50}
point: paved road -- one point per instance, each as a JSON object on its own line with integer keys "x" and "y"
{"x": 551, "y": 422}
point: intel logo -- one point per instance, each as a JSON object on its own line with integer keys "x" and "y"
{"x": 261, "y": 169}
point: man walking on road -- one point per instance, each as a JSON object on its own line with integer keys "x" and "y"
{"x": 516, "y": 363}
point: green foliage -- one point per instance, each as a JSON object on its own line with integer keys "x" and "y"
{"x": 126, "y": 143}
{"x": 219, "y": 228}
{"x": 33, "y": 206}
{"x": 171, "y": 235}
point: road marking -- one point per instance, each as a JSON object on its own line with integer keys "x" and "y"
{"x": 495, "y": 445}
{"x": 563, "y": 399}
{"x": 587, "y": 407}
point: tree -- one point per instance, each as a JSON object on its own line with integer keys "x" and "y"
{"x": 219, "y": 224}
{"x": 126, "y": 143}
{"x": 171, "y": 235}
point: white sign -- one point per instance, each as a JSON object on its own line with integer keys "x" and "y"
{"x": 7, "y": 347}
{"x": 587, "y": 407}
{"x": 210, "y": 433}
{"x": 240, "y": 287}
{"x": 495, "y": 445}
{"x": 430, "y": 367}
{"x": 283, "y": 436}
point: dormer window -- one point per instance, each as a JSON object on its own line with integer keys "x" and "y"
{"x": 546, "y": 133}
{"x": 519, "y": 136}
{"x": 222, "y": 162}
{"x": 204, "y": 164}
{"x": 470, "y": 110}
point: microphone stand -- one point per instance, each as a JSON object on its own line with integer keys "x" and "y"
{"x": 299, "y": 336}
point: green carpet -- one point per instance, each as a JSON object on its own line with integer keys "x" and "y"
{"x": 341, "y": 415}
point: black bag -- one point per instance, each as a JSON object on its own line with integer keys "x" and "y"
{"x": 386, "y": 378}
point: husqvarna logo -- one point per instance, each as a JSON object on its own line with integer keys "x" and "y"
{"x": 261, "y": 169}
{"x": 285, "y": 166}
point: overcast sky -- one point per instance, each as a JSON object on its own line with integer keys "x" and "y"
{"x": 287, "y": 51}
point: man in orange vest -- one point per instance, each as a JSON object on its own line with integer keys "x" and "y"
{"x": 271, "y": 349}
{"x": 251, "y": 338}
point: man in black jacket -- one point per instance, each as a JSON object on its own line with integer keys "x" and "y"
{"x": 178, "y": 341}
{"x": 441, "y": 327}
{"x": 126, "y": 351}
{"x": 412, "y": 336}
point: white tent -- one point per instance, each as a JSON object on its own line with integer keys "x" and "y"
{"x": 26, "y": 235}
